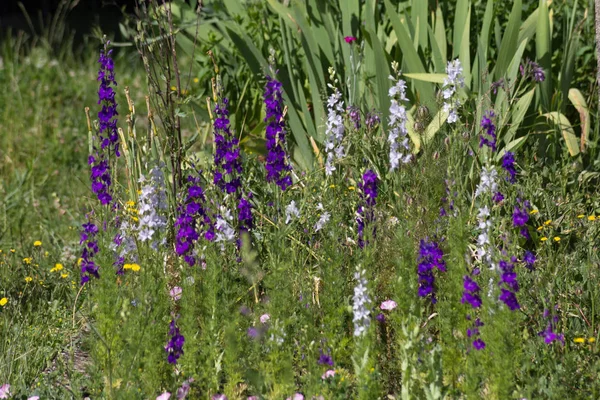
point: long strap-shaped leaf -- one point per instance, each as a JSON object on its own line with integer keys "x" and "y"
{"x": 411, "y": 57}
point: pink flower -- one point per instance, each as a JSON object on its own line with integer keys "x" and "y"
{"x": 264, "y": 318}
{"x": 388, "y": 305}
{"x": 176, "y": 293}
{"x": 34, "y": 398}
{"x": 296, "y": 396}
{"x": 164, "y": 396}
{"x": 349, "y": 39}
{"x": 328, "y": 374}
{"x": 4, "y": 391}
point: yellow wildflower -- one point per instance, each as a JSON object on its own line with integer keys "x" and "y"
{"x": 592, "y": 218}
{"x": 173, "y": 88}
{"x": 27, "y": 260}
{"x": 12, "y": 250}
{"x": 332, "y": 186}
{"x": 591, "y": 340}
{"x": 556, "y": 239}
{"x": 544, "y": 239}
{"x": 3, "y": 301}
{"x": 579, "y": 340}
{"x": 64, "y": 275}
{"x": 37, "y": 243}
{"x": 548, "y": 222}
{"x": 351, "y": 188}
{"x": 133, "y": 267}
{"x": 533, "y": 212}
{"x": 196, "y": 80}
{"x": 79, "y": 261}
{"x": 46, "y": 254}
{"x": 540, "y": 228}
{"x": 28, "y": 279}
{"x": 130, "y": 203}
{"x": 580, "y": 216}
{"x": 57, "y": 267}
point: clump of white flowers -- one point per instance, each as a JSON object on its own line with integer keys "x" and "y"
{"x": 152, "y": 207}
{"x": 397, "y": 136}
{"x": 360, "y": 304}
{"x": 291, "y": 212}
{"x": 455, "y": 79}
{"x": 334, "y": 133}
{"x": 225, "y": 232}
{"x": 323, "y": 218}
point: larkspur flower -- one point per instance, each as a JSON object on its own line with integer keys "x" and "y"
{"x": 548, "y": 333}
{"x": 328, "y": 374}
{"x": 90, "y": 249}
{"x": 490, "y": 129}
{"x": 174, "y": 347}
{"x": 483, "y": 247}
{"x": 365, "y": 211}
{"x": 175, "y": 293}
{"x": 520, "y": 214}
{"x": 334, "y": 133}
{"x": 152, "y": 207}
{"x": 471, "y": 292}
{"x": 184, "y": 390}
{"x": 276, "y": 164}
{"x": 397, "y": 134}
{"x": 354, "y": 116}
{"x": 5, "y": 391}
{"x": 325, "y": 359}
{"x": 532, "y": 69}
{"x": 508, "y": 163}
{"x": 431, "y": 257}
{"x": 455, "y": 79}
{"x": 529, "y": 259}
{"x": 323, "y": 218}
{"x": 245, "y": 220}
{"x": 473, "y": 333}
{"x": 508, "y": 279}
{"x": 228, "y": 166}
{"x": 372, "y": 120}
{"x": 487, "y": 183}
{"x": 360, "y": 304}
{"x": 291, "y": 212}
{"x": 388, "y": 305}
{"x": 224, "y": 230}
{"x": 192, "y": 221}
{"x": 264, "y": 318}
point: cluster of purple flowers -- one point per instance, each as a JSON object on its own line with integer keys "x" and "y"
{"x": 174, "y": 347}
{"x": 368, "y": 188}
{"x": 549, "y": 335}
{"x": 430, "y": 257}
{"x": 487, "y": 124}
{"x": 108, "y": 136}
{"x": 325, "y": 358}
{"x": 520, "y": 217}
{"x": 245, "y": 213}
{"x": 471, "y": 291}
{"x": 192, "y": 214}
{"x": 354, "y": 116}
{"x": 531, "y": 69}
{"x": 508, "y": 163}
{"x": 473, "y": 332}
{"x": 276, "y": 163}
{"x": 90, "y": 249}
{"x": 529, "y": 259}
{"x": 227, "y": 152}
{"x": 508, "y": 278}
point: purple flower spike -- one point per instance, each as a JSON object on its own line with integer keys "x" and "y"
{"x": 277, "y": 165}
{"x": 174, "y": 347}
{"x": 488, "y": 125}
{"x": 430, "y": 257}
{"x": 508, "y": 163}
{"x": 368, "y": 189}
